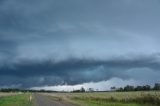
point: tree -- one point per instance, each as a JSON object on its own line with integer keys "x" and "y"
{"x": 82, "y": 89}
{"x": 129, "y": 88}
{"x": 120, "y": 89}
{"x": 146, "y": 87}
{"x": 113, "y": 88}
{"x": 91, "y": 90}
{"x": 138, "y": 88}
{"x": 157, "y": 86}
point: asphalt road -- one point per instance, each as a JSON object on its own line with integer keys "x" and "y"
{"x": 42, "y": 100}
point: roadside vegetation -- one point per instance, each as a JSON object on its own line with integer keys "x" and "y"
{"x": 148, "y": 98}
{"x": 16, "y": 100}
{"x": 144, "y": 95}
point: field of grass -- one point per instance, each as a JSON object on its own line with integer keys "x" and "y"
{"x": 151, "y": 98}
{"x": 16, "y": 100}
{"x": 2, "y": 94}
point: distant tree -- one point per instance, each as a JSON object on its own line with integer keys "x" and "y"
{"x": 146, "y": 87}
{"x": 9, "y": 90}
{"x": 120, "y": 89}
{"x": 82, "y": 89}
{"x": 42, "y": 90}
{"x": 157, "y": 86}
{"x": 91, "y": 90}
{"x": 76, "y": 91}
{"x": 113, "y": 88}
{"x": 138, "y": 88}
{"x": 129, "y": 88}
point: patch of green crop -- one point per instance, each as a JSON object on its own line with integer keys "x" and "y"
{"x": 16, "y": 100}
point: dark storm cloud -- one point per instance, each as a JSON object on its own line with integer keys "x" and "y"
{"x": 28, "y": 74}
{"x": 58, "y": 41}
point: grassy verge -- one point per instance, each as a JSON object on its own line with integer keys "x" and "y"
{"x": 98, "y": 103}
{"x": 111, "y": 102}
{"x": 17, "y": 100}
{"x": 110, "y": 98}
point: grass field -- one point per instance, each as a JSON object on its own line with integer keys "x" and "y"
{"x": 151, "y": 98}
{"x": 16, "y": 100}
{"x": 110, "y": 98}
{"x": 2, "y": 94}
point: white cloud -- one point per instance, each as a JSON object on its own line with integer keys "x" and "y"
{"x": 101, "y": 86}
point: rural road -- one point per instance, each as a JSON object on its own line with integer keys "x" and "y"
{"x": 42, "y": 100}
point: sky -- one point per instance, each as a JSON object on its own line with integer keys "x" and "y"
{"x": 66, "y": 44}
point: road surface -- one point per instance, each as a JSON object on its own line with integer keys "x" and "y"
{"x": 42, "y": 100}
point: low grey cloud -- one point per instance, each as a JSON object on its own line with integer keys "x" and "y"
{"x": 56, "y": 42}
{"x": 75, "y": 71}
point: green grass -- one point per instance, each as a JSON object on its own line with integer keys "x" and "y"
{"x": 98, "y": 103}
{"x": 82, "y": 101}
{"x": 16, "y": 100}
{"x": 151, "y": 98}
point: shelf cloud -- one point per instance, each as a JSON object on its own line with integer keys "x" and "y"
{"x": 59, "y": 42}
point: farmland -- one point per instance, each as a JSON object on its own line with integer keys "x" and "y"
{"x": 139, "y": 98}
{"x": 151, "y": 98}
{"x": 2, "y": 94}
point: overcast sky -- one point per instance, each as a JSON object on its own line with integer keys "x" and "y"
{"x": 50, "y": 43}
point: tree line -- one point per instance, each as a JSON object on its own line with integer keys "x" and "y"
{"x": 23, "y": 90}
{"x": 137, "y": 88}
{"x": 126, "y": 88}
